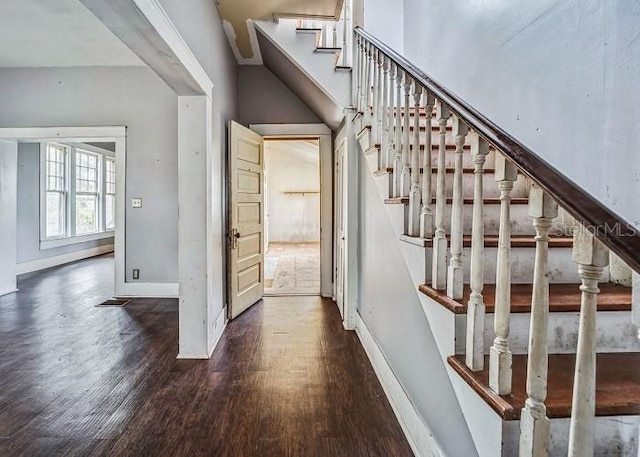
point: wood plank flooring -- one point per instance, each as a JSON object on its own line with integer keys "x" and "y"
{"x": 285, "y": 380}
{"x": 292, "y": 269}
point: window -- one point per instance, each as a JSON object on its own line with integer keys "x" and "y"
{"x": 110, "y": 193}
{"x": 78, "y": 194}
{"x": 87, "y": 193}
{"x": 56, "y": 191}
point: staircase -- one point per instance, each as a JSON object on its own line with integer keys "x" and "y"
{"x": 531, "y": 313}
{"x": 516, "y": 279}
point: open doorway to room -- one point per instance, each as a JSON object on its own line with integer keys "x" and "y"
{"x": 292, "y": 217}
{"x": 67, "y": 205}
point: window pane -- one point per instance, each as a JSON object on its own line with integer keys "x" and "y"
{"x": 110, "y": 210}
{"x": 86, "y": 214}
{"x": 55, "y": 213}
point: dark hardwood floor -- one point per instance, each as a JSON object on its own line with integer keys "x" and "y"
{"x": 77, "y": 380}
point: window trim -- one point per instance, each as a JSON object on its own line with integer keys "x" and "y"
{"x": 70, "y": 236}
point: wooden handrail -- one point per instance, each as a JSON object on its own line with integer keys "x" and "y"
{"x": 610, "y": 228}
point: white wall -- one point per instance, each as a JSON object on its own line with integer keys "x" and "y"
{"x": 132, "y": 96}
{"x": 293, "y": 166}
{"x": 264, "y": 99}
{"x": 8, "y": 201}
{"x": 28, "y": 240}
{"x": 559, "y": 75}
{"x": 384, "y": 19}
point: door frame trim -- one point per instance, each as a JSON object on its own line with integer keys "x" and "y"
{"x": 324, "y": 135}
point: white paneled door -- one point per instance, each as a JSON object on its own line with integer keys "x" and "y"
{"x": 246, "y": 184}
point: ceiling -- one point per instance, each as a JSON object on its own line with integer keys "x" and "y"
{"x": 295, "y": 150}
{"x": 57, "y": 33}
{"x": 238, "y": 14}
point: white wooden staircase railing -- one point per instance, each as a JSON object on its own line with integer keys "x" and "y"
{"x": 333, "y": 36}
{"x": 406, "y": 120}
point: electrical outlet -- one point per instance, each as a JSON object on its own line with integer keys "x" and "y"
{"x": 136, "y": 203}
{"x": 136, "y": 273}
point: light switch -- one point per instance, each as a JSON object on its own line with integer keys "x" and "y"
{"x": 136, "y": 203}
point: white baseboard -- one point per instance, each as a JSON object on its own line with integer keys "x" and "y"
{"x": 41, "y": 264}
{"x": 150, "y": 289}
{"x": 7, "y": 292}
{"x": 220, "y": 325}
{"x": 420, "y": 438}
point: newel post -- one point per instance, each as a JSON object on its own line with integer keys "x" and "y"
{"x": 592, "y": 257}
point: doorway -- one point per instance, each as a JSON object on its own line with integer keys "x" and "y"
{"x": 292, "y": 216}
{"x": 69, "y": 204}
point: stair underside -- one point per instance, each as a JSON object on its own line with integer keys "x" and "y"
{"x": 617, "y": 385}
{"x": 562, "y": 298}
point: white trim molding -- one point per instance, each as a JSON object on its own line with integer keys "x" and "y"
{"x": 7, "y": 292}
{"x": 145, "y": 27}
{"x": 48, "y": 262}
{"x": 150, "y": 289}
{"x": 420, "y": 438}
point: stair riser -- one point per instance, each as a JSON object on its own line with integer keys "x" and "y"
{"x": 615, "y": 333}
{"x": 450, "y": 156}
{"x": 490, "y": 186}
{"x": 562, "y": 269}
{"x": 613, "y": 436}
{"x": 520, "y": 219}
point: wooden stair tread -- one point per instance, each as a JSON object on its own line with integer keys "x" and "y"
{"x": 617, "y": 385}
{"x": 562, "y": 298}
{"x": 327, "y": 49}
{"x": 466, "y": 201}
{"x": 434, "y": 147}
{"x": 448, "y": 170}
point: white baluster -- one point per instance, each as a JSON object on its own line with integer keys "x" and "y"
{"x": 426, "y": 214}
{"x": 534, "y": 424}
{"x": 367, "y": 85}
{"x": 375, "y": 98}
{"x": 346, "y": 34}
{"x": 405, "y": 177}
{"x": 455, "y": 273}
{"x": 359, "y": 71}
{"x": 394, "y": 73}
{"x": 415, "y": 193}
{"x": 334, "y": 35}
{"x": 439, "y": 255}
{"x": 474, "y": 356}
{"x": 397, "y": 159}
{"x": 500, "y": 355}
{"x": 380, "y": 87}
{"x": 592, "y": 257}
{"x": 635, "y": 302}
{"x": 384, "y": 117}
